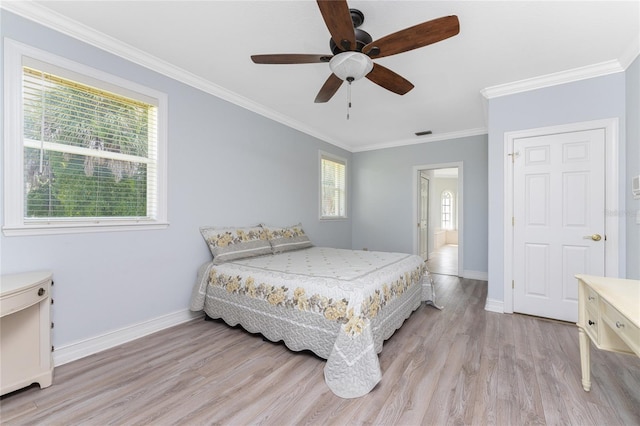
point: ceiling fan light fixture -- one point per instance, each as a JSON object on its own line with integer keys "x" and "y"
{"x": 350, "y": 66}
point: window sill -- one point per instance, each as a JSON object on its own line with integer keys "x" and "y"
{"x": 78, "y": 228}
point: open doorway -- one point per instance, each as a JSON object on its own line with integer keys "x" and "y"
{"x": 439, "y": 213}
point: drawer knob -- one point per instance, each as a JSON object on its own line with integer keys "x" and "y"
{"x": 619, "y": 324}
{"x": 591, "y": 322}
{"x": 40, "y": 291}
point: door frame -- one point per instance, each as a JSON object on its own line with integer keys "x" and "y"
{"x": 612, "y": 221}
{"x": 459, "y": 209}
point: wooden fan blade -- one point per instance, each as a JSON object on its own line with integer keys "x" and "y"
{"x": 414, "y": 37}
{"x": 329, "y": 88}
{"x": 290, "y": 58}
{"x": 388, "y": 79}
{"x": 337, "y": 17}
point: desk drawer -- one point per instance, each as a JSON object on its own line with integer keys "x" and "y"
{"x": 591, "y": 323}
{"x": 624, "y": 328}
{"x": 592, "y": 298}
{"x": 23, "y": 299}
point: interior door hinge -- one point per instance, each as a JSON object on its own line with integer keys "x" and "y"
{"x": 513, "y": 221}
{"x": 513, "y": 284}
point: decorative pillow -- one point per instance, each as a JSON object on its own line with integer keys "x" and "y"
{"x": 236, "y": 243}
{"x": 287, "y": 238}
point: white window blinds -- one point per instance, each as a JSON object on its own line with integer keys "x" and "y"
{"x": 88, "y": 153}
{"x": 333, "y": 188}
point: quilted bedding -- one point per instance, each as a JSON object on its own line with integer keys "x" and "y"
{"x": 340, "y": 304}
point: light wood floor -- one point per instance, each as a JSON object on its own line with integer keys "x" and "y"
{"x": 444, "y": 261}
{"x": 462, "y": 365}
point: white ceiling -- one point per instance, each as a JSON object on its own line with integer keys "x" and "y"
{"x": 503, "y": 47}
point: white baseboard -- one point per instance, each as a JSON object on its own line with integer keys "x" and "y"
{"x": 493, "y": 305}
{"x": 92, "y": 345}
{"x": 476, "y": 275}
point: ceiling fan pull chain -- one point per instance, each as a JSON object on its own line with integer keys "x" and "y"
{"x": 348, "y": 96}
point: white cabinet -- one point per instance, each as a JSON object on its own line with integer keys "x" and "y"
{"x": 25, "y": 331}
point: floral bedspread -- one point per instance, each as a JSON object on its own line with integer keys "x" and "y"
{"x": 341, "y": 304}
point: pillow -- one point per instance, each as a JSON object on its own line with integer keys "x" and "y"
{"x": 287, "y": 238}
{"x": 236, "y": 243}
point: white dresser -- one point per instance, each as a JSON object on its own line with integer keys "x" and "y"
{"x": 25, "y": 331}
{"x": 608, "y": 316}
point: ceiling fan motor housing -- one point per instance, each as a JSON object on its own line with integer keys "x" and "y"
{"x": 362, "y": 39}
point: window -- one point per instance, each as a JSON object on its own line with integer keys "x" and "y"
{"x": 446, "y": 210}
{"x": 86, "y": 150}
{"x": 333, "y": 184}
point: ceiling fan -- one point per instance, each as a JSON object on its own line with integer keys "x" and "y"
{"x": 353, "y": 49}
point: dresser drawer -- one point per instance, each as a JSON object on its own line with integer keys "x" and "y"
{"x": 22, "y": 299}
{"x": 624, "y": 328}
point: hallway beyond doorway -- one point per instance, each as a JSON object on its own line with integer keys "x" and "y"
{"x": 444, "y": 261}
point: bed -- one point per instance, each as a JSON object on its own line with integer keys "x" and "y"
{"x": 340, "y": 304}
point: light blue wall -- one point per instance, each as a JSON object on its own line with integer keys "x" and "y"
{"x": 633, "y": 168}
{"x": 592, "y": 99}
{"x": 227, "y": 166}
{"x": 384, "y": 199}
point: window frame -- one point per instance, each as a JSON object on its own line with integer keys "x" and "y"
{"x": 322, "y": 155}
{"x": 15, "y": 222}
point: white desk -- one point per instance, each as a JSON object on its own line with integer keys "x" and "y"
{"x": 608, "y": 316}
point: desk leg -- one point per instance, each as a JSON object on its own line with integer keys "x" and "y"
{"x": 585, "y": 359}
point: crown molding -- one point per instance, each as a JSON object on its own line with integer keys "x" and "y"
{"x": 423, "y": 139}
{"x": 554, "y": 79}
{"x": 48, "y": 18}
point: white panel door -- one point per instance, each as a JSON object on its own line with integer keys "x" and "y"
{"x": 559, "y": 220}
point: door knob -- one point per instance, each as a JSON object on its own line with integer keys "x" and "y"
{"x": 594, "y": 237}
